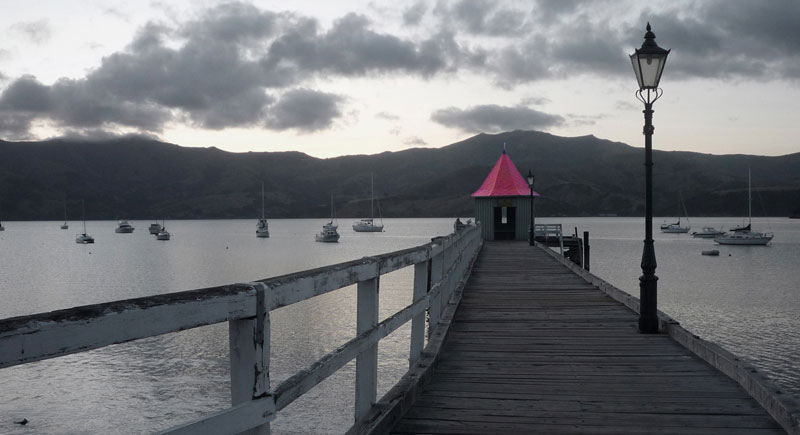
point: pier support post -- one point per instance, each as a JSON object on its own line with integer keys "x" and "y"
{"x": 367, "y": 361}
{"x": 249, "y": 356}
{"x": 586, "y": 256}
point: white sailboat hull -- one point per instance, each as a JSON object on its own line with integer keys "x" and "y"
{"x": 744, "y": 239}
{"x": 361, "y": 227}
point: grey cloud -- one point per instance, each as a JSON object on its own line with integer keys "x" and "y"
{"x": 26, "y": 94}
{"x": 37, "y": 31}
{"x": 534, "y": 101}
{"x": 728, "y": 39}
{"x": 102, "y": 135}
{"x": 414, "y": 140}
{"x": 15, "y": 125}
{"x": 387, "y": 116}
{"x": 304, "y": 110}
{"x": 549, "y": 11}
{"x": 351, "y": 48}
{"x": 233, "y": 23}
{"x": 484, "y": 17}
{"x": 413, "y": 15}
{"x": 78, "y": 103}
{"x": 493, "y": 118}
{"x": 216, "y": 70}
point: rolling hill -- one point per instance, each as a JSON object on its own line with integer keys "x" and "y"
{"x": 137, "y": 178}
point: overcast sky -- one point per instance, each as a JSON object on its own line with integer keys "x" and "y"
{"x": 359, "y": 77}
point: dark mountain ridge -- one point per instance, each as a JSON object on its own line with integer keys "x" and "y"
{"x": 137, "y": 178}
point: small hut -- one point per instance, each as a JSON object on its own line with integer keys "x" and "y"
{"x": 503, "y": 203}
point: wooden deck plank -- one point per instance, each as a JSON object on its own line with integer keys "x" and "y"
{"x": 535, "y": 349}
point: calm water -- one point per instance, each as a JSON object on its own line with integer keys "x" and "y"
{"x": 746, "y": 299}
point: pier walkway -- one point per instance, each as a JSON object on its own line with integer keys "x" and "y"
{"x": 535, "y": 348}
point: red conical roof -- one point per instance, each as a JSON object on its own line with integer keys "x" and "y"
{"x": 504, "y": 180}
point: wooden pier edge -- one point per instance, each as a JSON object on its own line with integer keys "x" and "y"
{"x": 393, "y": 405}
{"x": 781, "y": 406}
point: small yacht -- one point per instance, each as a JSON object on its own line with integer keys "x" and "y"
{"x": 123, "y": 227}
{"x": 745, "y": 235}
{"x": 262, "y": 227}
{"x": 707, "y": 233}
{"x": 329, "y": 233}
{"x": 675, "y": 227}
{"x": 65, "y": 225}
{"x": 163, "y": 234}
{"x": 84, "y": 238}
{"x": 154, "y": 228}
{"x": 368, "y": 225}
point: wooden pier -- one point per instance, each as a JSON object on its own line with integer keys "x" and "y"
{"x": 535, "y": 348}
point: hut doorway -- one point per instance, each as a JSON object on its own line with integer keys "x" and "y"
{"x": 505, "y": 220}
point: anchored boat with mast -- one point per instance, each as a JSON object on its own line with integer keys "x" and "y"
{"x": 367, "y": 225}
{"x": 745, "y": 235}
{"x": 262, "y": 227}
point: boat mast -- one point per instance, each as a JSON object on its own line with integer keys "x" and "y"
{"x": 749, "y": 200}
{"x": 372, "y": 195}
{"x": 83, "y": 207}
{"x": 262, "y": 200}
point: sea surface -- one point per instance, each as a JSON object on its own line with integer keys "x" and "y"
{"x": 747, "y": 299}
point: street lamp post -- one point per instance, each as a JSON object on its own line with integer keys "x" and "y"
{"x": 648, "y": 64}
{"x": 532, "y": 230}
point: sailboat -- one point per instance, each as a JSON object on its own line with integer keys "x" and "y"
{"x": 329, "y": 233}
{"x": 677, "y": 227}
{"x": 745, "y": 235}
{"x": 84, "y": 238}
{"x": 368, "y": 225}
{"x": 262, "y": 227}
{"x": 163, "y": 234}
{"x": 65, "y": 225}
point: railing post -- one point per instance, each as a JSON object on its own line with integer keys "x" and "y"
{"x": 418, "y": 321}
{"x": 367, "y": 361}
{"x": 249, "y": 356}
{"x": 435, "y": 308}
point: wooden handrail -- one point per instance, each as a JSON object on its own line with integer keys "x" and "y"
{"x": 438, "y": 267}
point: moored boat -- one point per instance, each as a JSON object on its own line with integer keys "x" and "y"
{"x": 745, "y": 235}
{"x": 262, "y": 227}
{"x": 65, "y": 225}
{"x": 123, "y": 227}
{"x": 84, "y": 238}
{"x": 707, "y": 233}
{"x": 675, "y": 228}
{"x": 329, "y": 233}
{"x": 154, "y": 228}
{"x": 163, "y": 234}
{"x": 368, "y": 225}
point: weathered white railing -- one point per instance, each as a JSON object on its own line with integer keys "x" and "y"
{"x": 438, "y": 268}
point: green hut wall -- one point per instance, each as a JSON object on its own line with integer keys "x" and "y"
{"x": 485, "y": 214}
